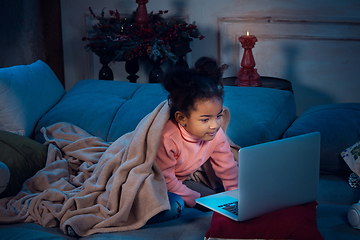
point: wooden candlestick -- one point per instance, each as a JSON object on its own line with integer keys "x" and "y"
{"x": 248, "y": 75}
{"x": 142, "y": 16}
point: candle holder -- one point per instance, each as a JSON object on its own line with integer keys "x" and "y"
{"x": 248, "y": 75}
{"x": 142, "y": 16}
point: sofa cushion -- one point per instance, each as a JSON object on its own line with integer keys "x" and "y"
{"x": 26, "y": 93}
{"x": 339, "y": 126}
{"x": 108, "y": 109}
{"x": 333, "y": 222}
{"x": 258, "y": 115}
{"x": 333, "y": 188}
{"x": 297, "y": 222}
{"x": 146, "y": 98}
{"x": 23, "y": 157}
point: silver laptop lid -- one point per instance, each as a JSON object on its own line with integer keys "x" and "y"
{"x": 278, "y": 174}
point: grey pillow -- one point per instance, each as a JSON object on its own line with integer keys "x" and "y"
{"x": 23, "y": 156}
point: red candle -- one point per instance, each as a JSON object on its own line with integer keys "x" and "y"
{"x": 248, "y": 76}
{"x": 248, "y": 42}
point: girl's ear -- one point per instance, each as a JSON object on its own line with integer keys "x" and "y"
{"x": 180, "y": 118}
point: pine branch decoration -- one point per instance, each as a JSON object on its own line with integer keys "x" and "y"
{"x": 122, "y": 40}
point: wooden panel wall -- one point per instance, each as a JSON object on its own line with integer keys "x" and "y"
{"x": 319, "y": 56}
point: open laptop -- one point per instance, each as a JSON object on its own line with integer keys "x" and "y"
{"x": 272, "y": 176}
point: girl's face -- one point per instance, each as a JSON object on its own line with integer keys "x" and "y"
{"x": 205, "y": 121}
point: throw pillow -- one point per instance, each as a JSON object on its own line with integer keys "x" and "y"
{"x": 351, "y": 156}
{"x": 23, "y": 157}
{"x": 339, "y": 127}
{"x": 298, "y": 222}
{"x": 26, "y": 93}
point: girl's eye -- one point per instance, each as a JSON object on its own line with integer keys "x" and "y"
{"x": 219, "y": 116}
{"x": 205, "y": 120}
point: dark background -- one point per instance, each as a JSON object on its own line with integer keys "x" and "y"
{"x": 29, "y": 31}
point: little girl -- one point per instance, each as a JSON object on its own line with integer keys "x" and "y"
{"x": 193, "y": 134}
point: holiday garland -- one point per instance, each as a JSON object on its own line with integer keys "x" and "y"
{"x": 121, "y": 39}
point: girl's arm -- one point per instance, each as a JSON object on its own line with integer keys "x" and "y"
{"x": 166, "y": 160}
{"x": 224, "y": 164}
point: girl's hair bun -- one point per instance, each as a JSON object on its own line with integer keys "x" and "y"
{"x": 177, "y": 78}
{"x": 210, "y": 68}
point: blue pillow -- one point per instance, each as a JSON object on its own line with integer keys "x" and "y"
{"x": 339, "y": 126}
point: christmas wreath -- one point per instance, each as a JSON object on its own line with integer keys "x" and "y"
{"x": 120, "y": 39}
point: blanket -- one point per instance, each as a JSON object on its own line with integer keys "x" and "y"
{"x": 92, "y": 185}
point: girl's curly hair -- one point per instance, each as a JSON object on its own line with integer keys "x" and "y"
{"x": 187, "y": 86}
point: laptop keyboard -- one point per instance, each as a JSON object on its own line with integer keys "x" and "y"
{"x": 230, "y": 207}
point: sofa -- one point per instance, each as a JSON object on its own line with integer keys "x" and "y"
{"x": 33, "y": 98}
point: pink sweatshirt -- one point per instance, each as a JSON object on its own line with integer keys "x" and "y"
{"x": 181, "y": 154}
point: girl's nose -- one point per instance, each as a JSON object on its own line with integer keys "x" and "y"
{"x": 215, "y": 124}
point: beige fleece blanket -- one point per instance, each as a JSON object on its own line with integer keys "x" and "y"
{"x": 91, "y": 185}
{"x": 94, "y": 186}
